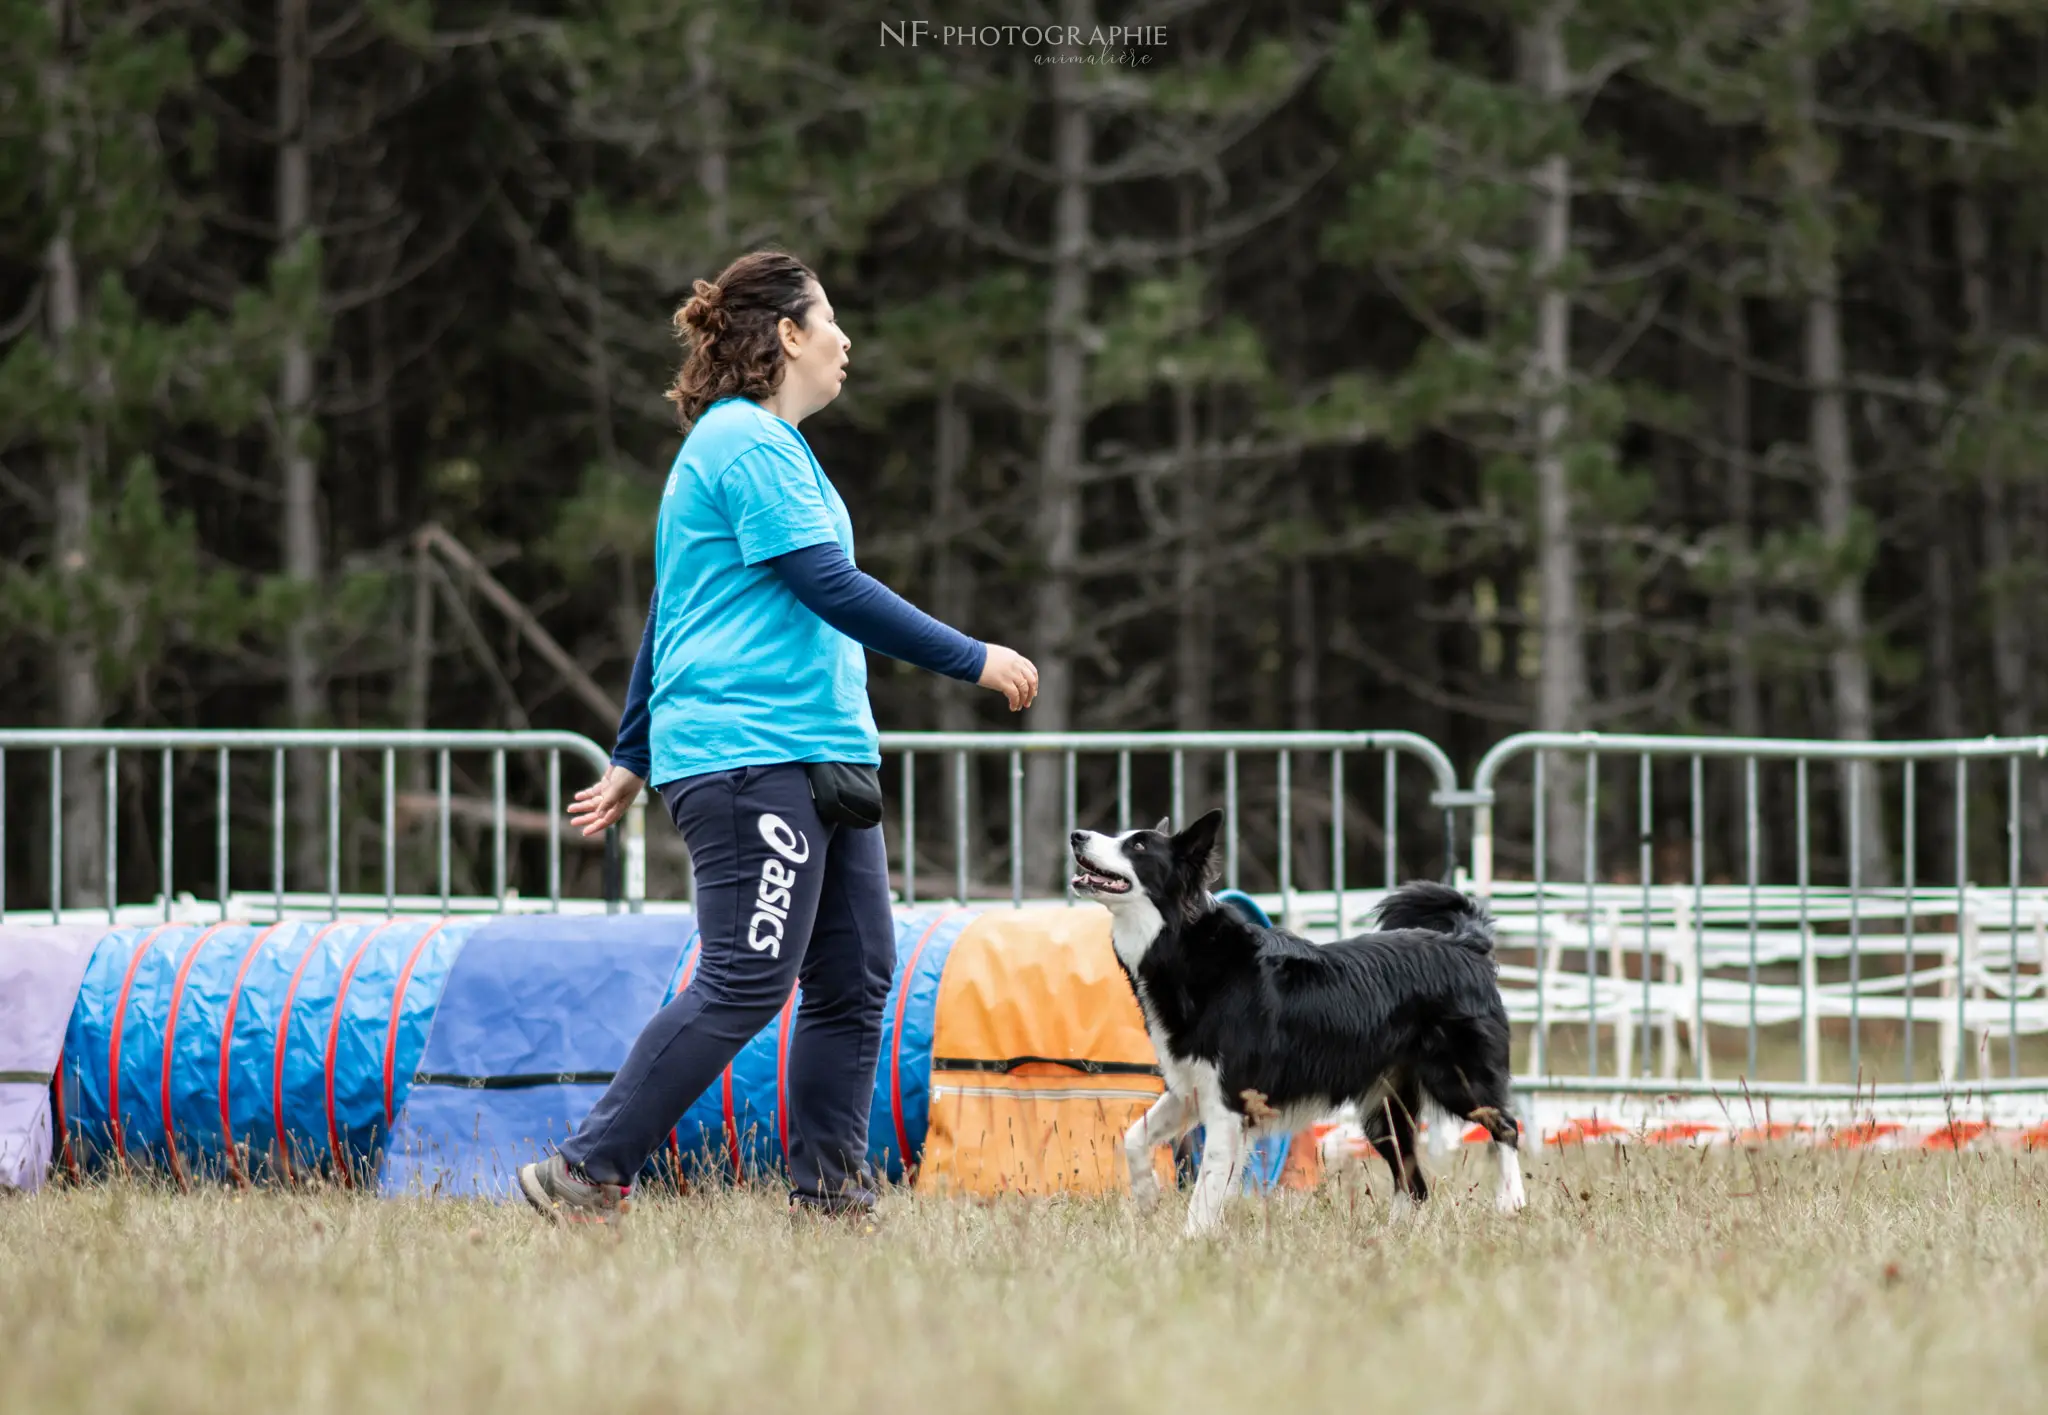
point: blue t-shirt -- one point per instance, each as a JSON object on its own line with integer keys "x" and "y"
{"x": 744, "y": 674}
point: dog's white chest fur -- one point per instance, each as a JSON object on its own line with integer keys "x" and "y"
{"x": 1134, "y": 926}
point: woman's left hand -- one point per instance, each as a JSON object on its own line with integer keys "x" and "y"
{"x": 601, "y": 805}
{"x": 1010, "y": 673}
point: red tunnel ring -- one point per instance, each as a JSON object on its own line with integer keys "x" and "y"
{"x": 227, "y": 1042}
{"x": 114, "y": 1042}
{"x": 284, "y": 1032}
{"x": 348, "y": 976}
{"x": 170, "y": 1038}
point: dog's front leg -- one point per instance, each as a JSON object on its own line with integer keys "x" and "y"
{"x": 1161, "y": 1125}
{"x": 1223, "y": 1152}
{"x": 1508, "y": 1196}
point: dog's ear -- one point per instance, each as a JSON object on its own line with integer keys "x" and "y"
{"x": 1165, "y": 826}
{"x": 1197, "y": 844}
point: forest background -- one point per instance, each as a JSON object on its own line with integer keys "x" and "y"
{"x": 1658, "y": 365}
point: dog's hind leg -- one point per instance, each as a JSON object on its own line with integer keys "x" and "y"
{"x": 1390, "y": 1126}
{"x": 1161, "y": 1125}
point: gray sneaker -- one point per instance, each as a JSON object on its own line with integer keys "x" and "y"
{"x": 561, "y": 1197}
{"x": 857, "y": 1218}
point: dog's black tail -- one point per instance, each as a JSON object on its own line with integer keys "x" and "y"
{"x": 1438, "y": 908}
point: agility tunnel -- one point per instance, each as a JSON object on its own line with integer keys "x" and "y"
{"x": 247, "y": 1052}
{"x": 436, "y": 1055}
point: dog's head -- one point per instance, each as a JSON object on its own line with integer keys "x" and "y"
{"x": 1167, "y": 873}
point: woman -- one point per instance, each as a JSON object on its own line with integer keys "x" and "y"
{"x": 750, "y": 685}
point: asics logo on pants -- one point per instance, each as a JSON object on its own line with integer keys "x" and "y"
{"x": 771, "y": 895}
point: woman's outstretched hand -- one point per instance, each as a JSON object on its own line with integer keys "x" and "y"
{"x": 1011, "y": 674}
{"x": 601, "y": 804}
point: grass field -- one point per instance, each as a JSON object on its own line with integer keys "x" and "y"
{"x": 1644, "y": 1280}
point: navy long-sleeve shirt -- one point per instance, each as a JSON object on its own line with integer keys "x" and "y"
{"x": 844, "y": 596}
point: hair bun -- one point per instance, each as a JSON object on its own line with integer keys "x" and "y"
{"x": 705, "y": 312}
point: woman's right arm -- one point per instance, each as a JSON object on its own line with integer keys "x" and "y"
{"x": 603, "y": 803}
{"x": 631, "y": 749}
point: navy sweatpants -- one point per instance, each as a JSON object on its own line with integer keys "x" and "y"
{"x": 781, "y": 898}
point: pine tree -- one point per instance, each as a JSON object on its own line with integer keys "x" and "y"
{"x": 1126, "y": 336}
{"x": 1472, "y": 161}
{"x": 1794, "y": 229}
{"x": 112, "y": 578}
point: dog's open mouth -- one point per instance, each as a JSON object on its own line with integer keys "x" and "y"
{"x": 1097, "y": 883}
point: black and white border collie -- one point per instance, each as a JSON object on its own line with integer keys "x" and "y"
{"x": 1259, "y": 1031}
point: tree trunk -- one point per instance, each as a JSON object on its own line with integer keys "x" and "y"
{"x": 1945, "y": 718}
{"x": 1194, "y": 598}
{"x": 1746, "y": 716}
{"x": 383, "y": 417}
{"x": 1939, "y": 525}
{"x": 1056, "y": 521}
{"x": 419, "y": 662}
{"x": 713, "y": 172}
{"x": 2009, "y": 666}
{"x": 953, "y": 603}
{"x": 1310, "y": 771}
{"x": 75, "y": 464}
{"x": 1561, "y": 698}
{"x": 1945, "y": 711}
{"x": 1834, "y": 465}
{"x": 305, "y": 685}
{"x": 1848, "y": 662}
{"x": 2011, "y": 659}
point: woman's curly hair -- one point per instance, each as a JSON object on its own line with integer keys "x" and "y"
{"x": 729, "y": 326}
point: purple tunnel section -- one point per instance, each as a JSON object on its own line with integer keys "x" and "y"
{"x": 41, "y": 968}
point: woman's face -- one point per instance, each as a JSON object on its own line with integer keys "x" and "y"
{"x": 814, "y": 356}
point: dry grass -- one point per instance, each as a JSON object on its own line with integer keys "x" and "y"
{"x": 1671, "y": 1281}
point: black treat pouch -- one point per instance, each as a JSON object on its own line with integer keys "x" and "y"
{"x": 846, "y": 794}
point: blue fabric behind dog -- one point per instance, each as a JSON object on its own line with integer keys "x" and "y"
{"x": 552, "y": 996}
{"x": 1268, "y": 1157}
{"x": 1246, "y": 906}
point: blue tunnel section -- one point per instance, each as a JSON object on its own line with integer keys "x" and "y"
{"x": 258, "y": 1052}
{"x": 537, "y": 1015}
{"x": 435, "y": 1055}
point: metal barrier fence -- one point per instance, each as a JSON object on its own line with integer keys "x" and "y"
{"x": 1285, "y": 796}
{"x": 110, "y": 746}
{"x": 1634, "y": 937}
{"x": 1861, "y": 954}
{"x": 1099, "y": 779}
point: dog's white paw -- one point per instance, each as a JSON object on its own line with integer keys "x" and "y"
{"x": 1405, "y": 1210}
{"x": 1144, "y": 1179}
{"x": 1509, "y": 1197}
